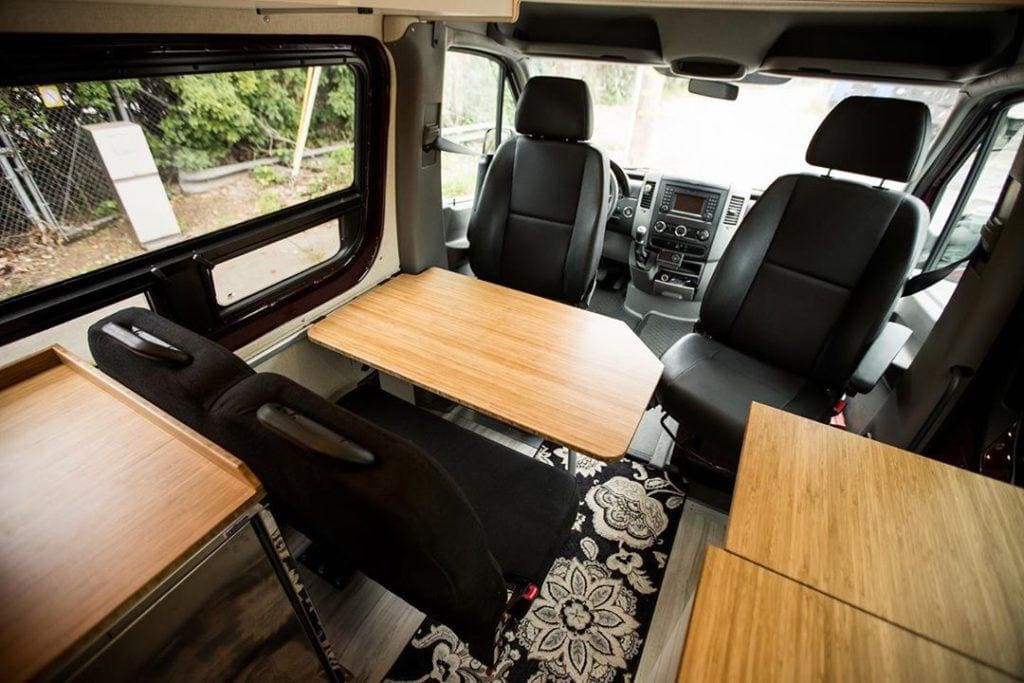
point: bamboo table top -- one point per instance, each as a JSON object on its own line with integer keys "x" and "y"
{"x": 932, "y": 548}
{"x": 752, "y": 624}
{"x": 578, "y": 378}
{"x": 101, "y": 496}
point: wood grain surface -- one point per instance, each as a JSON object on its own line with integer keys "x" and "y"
{"x": 927, "y": 546}
{"x": 581, "y": 379}
{"x": 100, "y": 497}
{"x": 751, "y": 624}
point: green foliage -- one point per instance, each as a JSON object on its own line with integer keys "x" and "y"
{"x": 268, "y": 202}
{"x": 197, "y": 121}
{"x": 268, "y": 175}
{"x": 248, "y": 114}
{"x": 188, "y": 159}
{"x": 470, "y": 90}
{"x": 108, "y": 207}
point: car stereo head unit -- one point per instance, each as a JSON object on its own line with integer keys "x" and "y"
{"x": 687, "y": 202}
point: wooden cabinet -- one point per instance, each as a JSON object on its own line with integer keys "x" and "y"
{"x": 881, "y": 537}
{"x": 752, "y": 624}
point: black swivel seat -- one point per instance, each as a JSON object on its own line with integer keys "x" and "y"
{"x": 450, "y": 522}
{"x": 806, "y": 285}
{"x": 538, "y": 225}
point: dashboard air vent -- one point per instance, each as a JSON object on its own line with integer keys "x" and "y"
{"x": 734, "y": 210}
{"x": 648, "y": 195}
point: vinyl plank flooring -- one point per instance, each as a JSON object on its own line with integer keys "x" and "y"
{"x": 367, "y": 625}
{"x": 699, "y": 527}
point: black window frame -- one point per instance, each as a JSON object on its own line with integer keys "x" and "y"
{"x": 177, "y": 279}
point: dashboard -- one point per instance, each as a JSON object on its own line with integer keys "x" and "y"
{"x": 679, "y": 228}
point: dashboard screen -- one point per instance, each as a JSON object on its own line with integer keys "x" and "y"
{"x": 688, "y": 203}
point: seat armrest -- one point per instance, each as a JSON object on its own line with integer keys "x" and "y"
{"x": 879, "y": 356}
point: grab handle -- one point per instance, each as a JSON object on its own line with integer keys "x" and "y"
{"x": 151, "y": 347}
{"x": 312, "y": 435}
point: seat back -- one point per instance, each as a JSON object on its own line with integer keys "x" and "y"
{"x": 187, "y": 387}
{"x": 397, "y": 515}
{"x": 816, "y": 266}
{"x": 538, "y": 225}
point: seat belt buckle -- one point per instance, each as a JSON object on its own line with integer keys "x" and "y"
{"x": 838, "y": 419}
{"x": 521, "y": 601}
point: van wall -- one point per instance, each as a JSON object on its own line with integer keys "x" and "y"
{"x": 85, "y": 17}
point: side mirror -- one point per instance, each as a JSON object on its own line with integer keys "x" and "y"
{"x": 491, "y": 140}
{"x": 719, "y": 90}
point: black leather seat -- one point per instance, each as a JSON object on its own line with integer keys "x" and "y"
{"x": 538, "y": 225}
{"x": 424, "y": 519}
{"x": 806, "y": 284}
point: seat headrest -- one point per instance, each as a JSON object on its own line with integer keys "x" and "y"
{"x": 875, "y": 136}
{"x": 558, "y": 108}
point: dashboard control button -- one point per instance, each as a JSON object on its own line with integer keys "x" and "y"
{"x": 664, "y": 208}
{"x": 660, "y": 226}
{"x": 664, "y": 277}
{"x": 627, "y": 212}
{"x": 680, "y": 231}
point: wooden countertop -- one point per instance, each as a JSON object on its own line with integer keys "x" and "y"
{"x": 578, "y": 378}
{"x": 101, "y": 496}
{"x": 751, "y": 624}
{"x": 935, "y": 549}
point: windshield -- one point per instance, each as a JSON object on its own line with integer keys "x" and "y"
{"x": 644, "y": 119}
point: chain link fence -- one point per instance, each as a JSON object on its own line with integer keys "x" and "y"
{"x": 54, "y": 186}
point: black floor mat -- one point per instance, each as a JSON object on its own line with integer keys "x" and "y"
{"x": 612, "y": 304}
{"x": 659, "y": 332}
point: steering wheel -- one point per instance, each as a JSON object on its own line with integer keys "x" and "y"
{"x": 618, "y": 186}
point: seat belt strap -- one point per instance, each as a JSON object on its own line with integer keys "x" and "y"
{"x": 923, "y": 281}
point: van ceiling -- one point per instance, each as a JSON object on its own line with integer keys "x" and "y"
{"x": 898, "y": 43}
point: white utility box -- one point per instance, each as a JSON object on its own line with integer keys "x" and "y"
{"x": 129, "y": 162}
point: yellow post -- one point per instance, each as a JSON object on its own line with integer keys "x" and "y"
{"x": 305, "y": 116}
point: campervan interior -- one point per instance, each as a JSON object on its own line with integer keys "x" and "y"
{"x": 472, "y": 340}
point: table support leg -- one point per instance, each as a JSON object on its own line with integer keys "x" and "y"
{"x": 572, "y": 462}
{"x": 270, "y": 537}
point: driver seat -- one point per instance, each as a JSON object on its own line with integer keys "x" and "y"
{"x": 538, "y": 225}
{"x": 805, "y": 286}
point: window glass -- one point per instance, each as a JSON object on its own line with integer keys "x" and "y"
{"x": 977, "y": 206}
{"x": 98, "y": 172}
{"x": 644, "y": 119}
{"x": 944, "y": 207}
{"x": 469, "y": 112}
{"x": 982, "y": 200}
{"x": 256, "y": 270}
{"x": 508, "y": 112}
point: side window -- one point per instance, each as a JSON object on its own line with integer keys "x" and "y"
{"x": 470, "y": 117}
{"x": 102, "y": 171}
{"x": 968, "y": 199}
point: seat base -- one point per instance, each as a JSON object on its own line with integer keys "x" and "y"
{"x": 708, "y": 388}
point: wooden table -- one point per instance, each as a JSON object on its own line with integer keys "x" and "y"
{"x": 102, "y": 497}
{"x": 752, "y": 624}
{"x": 932, "y": 548}
{"x": 575, "y": 377}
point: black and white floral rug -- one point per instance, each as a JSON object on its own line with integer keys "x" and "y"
{"x": 591, "y": 617}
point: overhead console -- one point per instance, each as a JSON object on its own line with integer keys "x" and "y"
{"x": 675, "y": 228}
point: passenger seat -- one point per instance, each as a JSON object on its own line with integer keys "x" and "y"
{"x": 805, "y": 287}
{"x": 421, "y": 512}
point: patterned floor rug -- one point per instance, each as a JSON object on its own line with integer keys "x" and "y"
{"x": 591, "y": 617}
